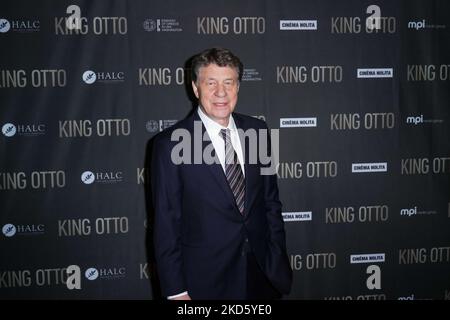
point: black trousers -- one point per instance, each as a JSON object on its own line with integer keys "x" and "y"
{"x": 258, "y": 286}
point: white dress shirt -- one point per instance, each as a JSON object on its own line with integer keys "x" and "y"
{"x": 213, "y": 129}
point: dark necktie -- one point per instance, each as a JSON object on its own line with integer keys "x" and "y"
{"x": 233, "y": 171}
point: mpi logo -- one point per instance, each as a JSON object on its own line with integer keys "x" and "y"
{"x": 9, "y": 230}
{"x": 9, "y": 130}
{"x": 415, "y": 120}
{"x": 89, "y": 77}
{"x": 416, "y": 24}
{"x": 4, "y": 25}
{"x": 408, "y": 212}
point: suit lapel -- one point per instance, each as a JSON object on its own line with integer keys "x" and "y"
{"x": 216, "y": 169}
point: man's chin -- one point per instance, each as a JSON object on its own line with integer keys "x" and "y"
{"x": 220, "y": 118}
{"x": 222, "y": 115}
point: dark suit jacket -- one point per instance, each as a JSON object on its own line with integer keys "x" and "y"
{"x": 200, "y": 236}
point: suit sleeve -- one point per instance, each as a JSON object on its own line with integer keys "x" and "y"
{"x": 273, "y": 206}
{"x": 277, "y": 262}
{"x": 167, "y": 201}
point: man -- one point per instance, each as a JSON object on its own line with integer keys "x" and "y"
{"x": 218, "y": 231}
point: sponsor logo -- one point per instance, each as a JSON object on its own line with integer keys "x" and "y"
{"x": 251, "y": 75}
{"x": 298, "y": 122}
{"x": 73, "y": 273}
{"x": 413, "y": 212}
{"x": 374, "y": 72}
{"x": 89, "y": 177}
{"x": 10, "y": 230}
{"x": 367, "y": 258}
{"x": 29, "y": 130}
{"x": 153, "y": 126}
{"x": 298, "y": 24}
{"x": 89, "y": 77}
{"x": 422, "y": 24}
{"x": 418, "y": 120}
{"x": 91, "y": 274}
{"x": 369, "y": 167}
{"x": 9, "y": 130}
{"x": 4, "y": 25}
{"x": 17, "y": 25}
{"x": 297, "y": 216}
{"x": 162, "y": 25}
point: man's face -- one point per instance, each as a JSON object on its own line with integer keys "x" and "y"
{"x": 217, "y": 91}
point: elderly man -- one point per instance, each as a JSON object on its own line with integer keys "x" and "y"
{"x": 219, "y": 233}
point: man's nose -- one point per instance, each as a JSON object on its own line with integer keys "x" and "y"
{"x": 220, "y": 91}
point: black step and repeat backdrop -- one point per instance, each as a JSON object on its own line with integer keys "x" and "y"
{"x": 359, "y": 91}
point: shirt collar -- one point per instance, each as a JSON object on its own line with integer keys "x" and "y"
{"x": 213, "y": 127}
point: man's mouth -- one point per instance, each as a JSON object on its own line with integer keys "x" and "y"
{"x": 220, "y": 104}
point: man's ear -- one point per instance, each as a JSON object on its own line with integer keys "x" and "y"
{"x": 195, "y": 89}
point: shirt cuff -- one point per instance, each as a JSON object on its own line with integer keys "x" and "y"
{"x": 177, "y": 295}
